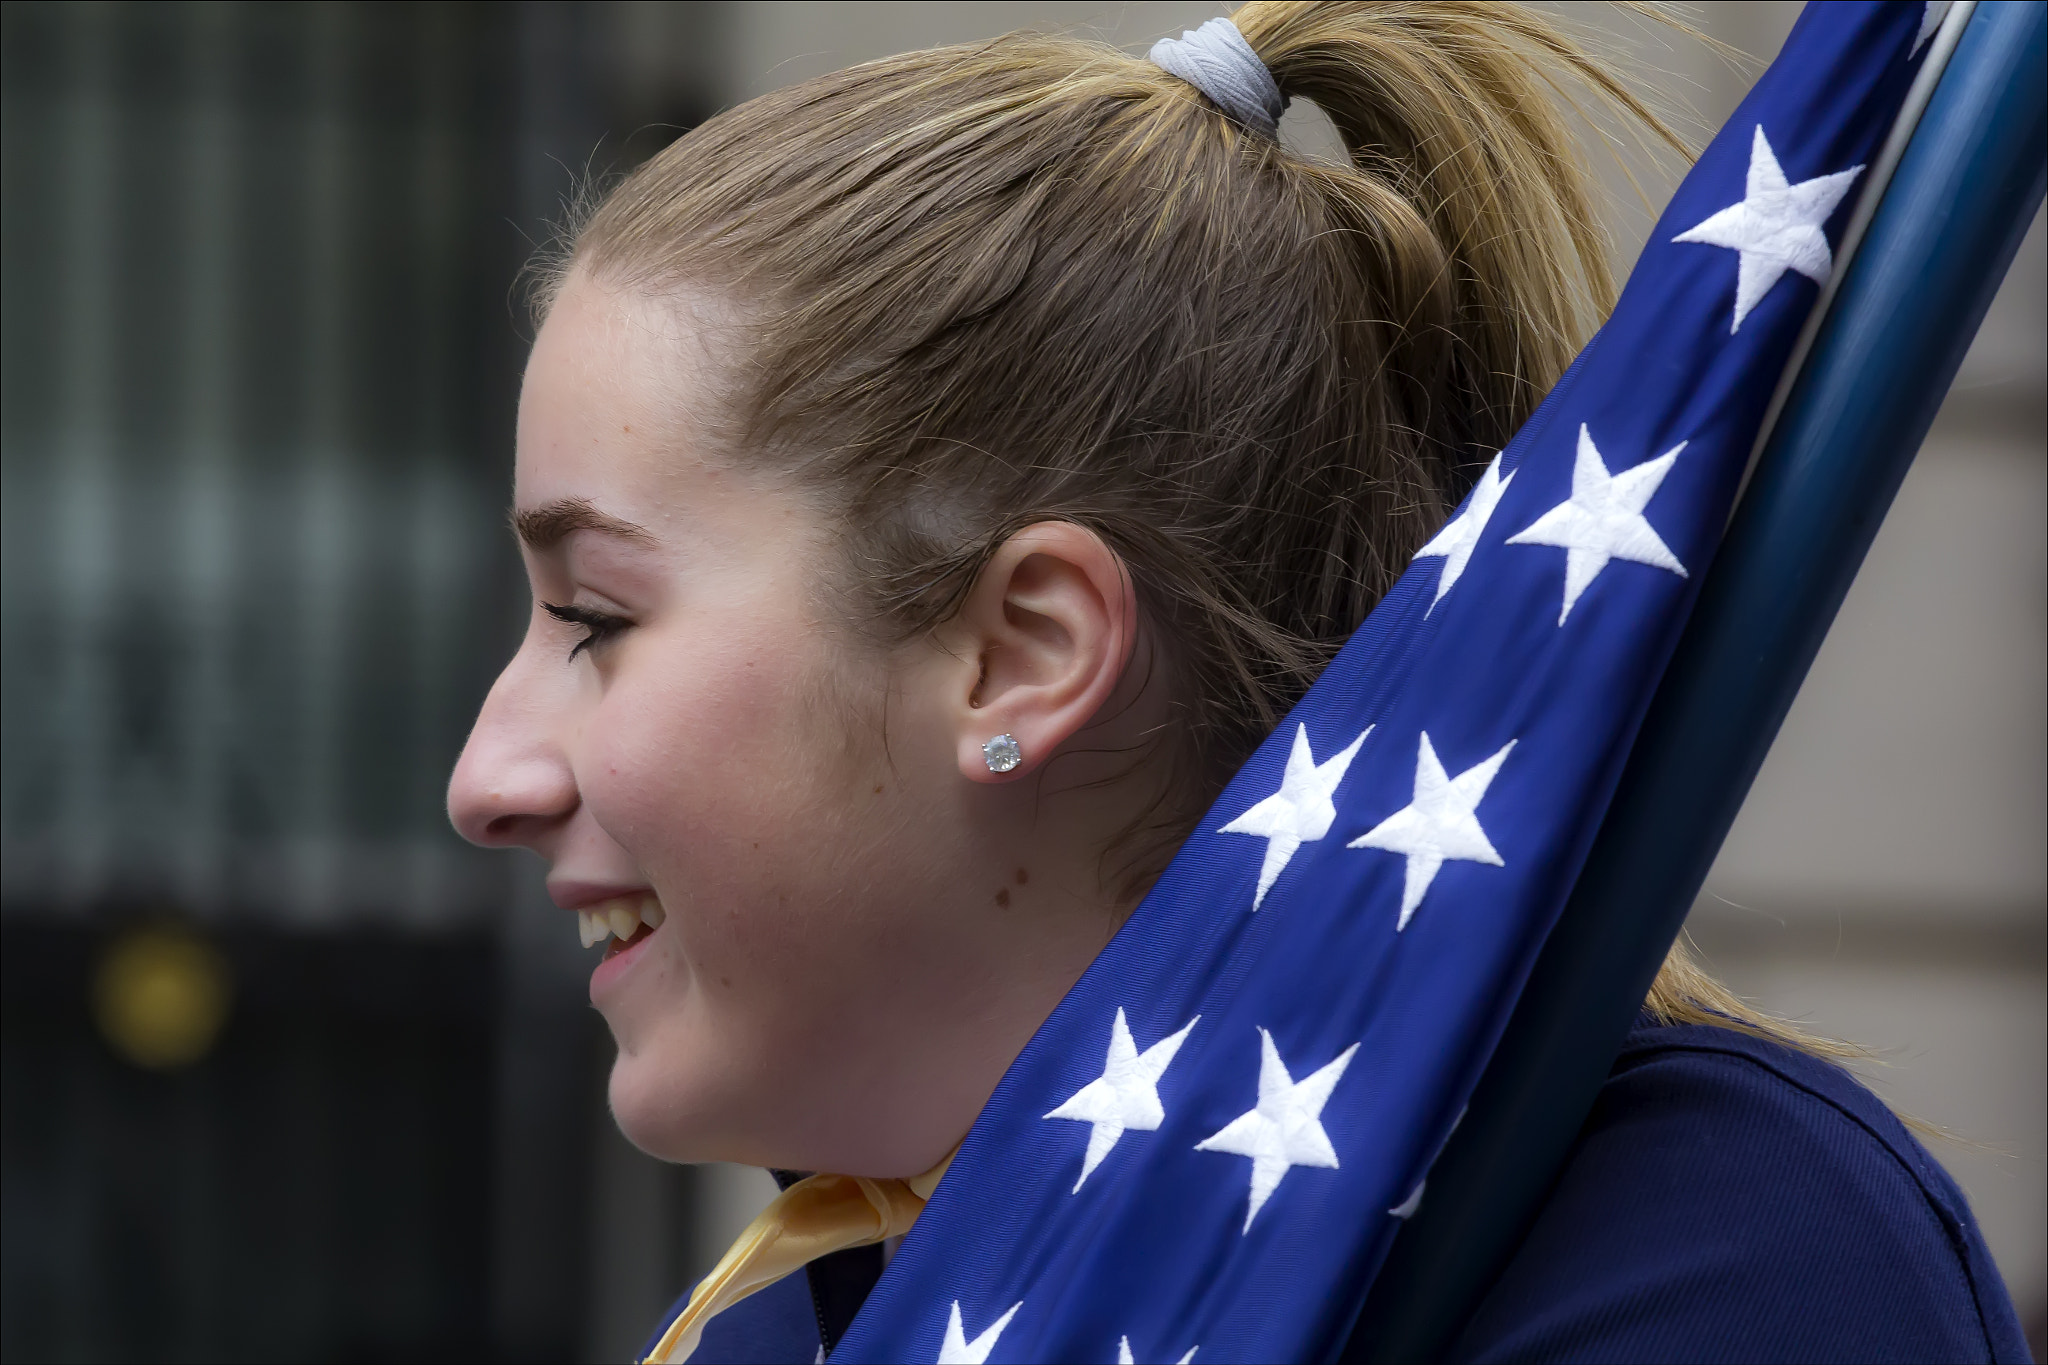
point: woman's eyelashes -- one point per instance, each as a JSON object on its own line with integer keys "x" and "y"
{"x": 598, "y": 626}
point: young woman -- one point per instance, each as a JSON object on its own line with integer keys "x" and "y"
{"x": 1018, "y": 390}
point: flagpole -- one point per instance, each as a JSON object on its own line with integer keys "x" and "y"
{"x": 1908, "y": 305}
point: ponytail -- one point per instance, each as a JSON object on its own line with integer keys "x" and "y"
{"x": 1454, "y": 117}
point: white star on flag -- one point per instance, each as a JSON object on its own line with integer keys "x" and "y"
{"x": 1931, "y": 15}
{"x": 1285, "y": 1128}
{"x": 1603, "y": 520}
{"x": 956, "y": 1349}
{"x": 1776, "y": 227}
{"x": 1407, "y": 1207}
{"x": 1438, "y": 825}
{"x": 1124, "y": 1356}
{"x": 1460, "y": 536}
{"x": 1126, "y": 1095}
{"x": 1300, "y": 812}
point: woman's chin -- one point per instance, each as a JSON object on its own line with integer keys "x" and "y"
{"x": 655, "y": 1119}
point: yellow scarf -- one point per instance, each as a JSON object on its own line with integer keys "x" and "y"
{"x": 814, "y": 1217}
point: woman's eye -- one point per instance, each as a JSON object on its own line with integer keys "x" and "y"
{"x": 598, "y": 626}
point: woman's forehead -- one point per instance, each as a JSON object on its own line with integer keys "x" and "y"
{"x": 607, "y": 356}
{"x": 614, "y": 409}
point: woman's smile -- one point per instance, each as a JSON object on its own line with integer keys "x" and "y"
{"x": 625, "y": 926}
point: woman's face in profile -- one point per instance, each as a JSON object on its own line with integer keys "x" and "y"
{"x": 682, "y": 728}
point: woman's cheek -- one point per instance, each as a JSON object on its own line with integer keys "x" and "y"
{"x": 714, "y": 790}
{"x": 659, "y": 753}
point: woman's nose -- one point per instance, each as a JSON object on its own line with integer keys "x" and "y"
{"x": 512, "y": 786}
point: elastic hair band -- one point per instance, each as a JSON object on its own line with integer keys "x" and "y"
{"x": 1216, "y": 60}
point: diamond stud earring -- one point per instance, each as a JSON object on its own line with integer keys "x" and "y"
{"x": 1002, "y": 754}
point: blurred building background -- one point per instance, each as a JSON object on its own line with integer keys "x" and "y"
{"x": 286, "y": 1071}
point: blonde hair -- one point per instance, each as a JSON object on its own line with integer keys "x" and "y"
{"x": 1038, "y": 278}
{"x": 1686, "y": 993}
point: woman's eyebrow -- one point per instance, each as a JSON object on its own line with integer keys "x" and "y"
{"x": 545, "y": 526}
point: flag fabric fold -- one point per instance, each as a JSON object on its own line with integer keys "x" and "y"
{"x": 1207, "y": 1149}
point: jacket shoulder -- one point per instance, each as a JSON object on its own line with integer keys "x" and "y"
{"x": 1730, "y": 1198}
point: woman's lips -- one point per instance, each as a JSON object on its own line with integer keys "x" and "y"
{"x": 633, "y": 940}
{"x": 619, "y": 957}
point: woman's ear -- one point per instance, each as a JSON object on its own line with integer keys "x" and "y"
{"x": 1049, "y": 626}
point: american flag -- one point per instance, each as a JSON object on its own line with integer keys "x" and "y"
{"x": 1207, "y": 1149}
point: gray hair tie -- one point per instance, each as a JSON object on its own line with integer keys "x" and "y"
{"x": 1216, "y": 60}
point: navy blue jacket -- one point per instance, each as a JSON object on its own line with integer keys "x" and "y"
{"x": 1729, "y": 1199}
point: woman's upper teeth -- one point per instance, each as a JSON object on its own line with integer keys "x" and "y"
{"x": 620, "y": 917}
